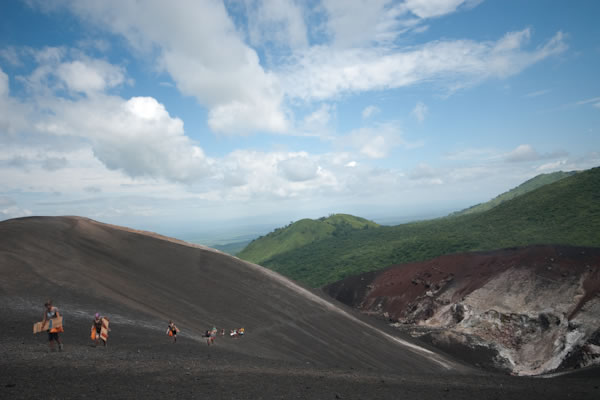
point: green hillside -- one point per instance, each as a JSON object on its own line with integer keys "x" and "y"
{"x": 302, "y": 233}
{"x": 532, "y": 184}
{"x": 564, "y": 212}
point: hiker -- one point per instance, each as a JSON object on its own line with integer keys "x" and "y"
{"x": 50, "y": 313}
{"x": 241, "y": 331}
{"x": 233, "y": 333}
{"x": 209, "y": 338}
{"x": 97, "y": 329}
{"x": 172, "y": 330}
{"x": 222, "y": 331}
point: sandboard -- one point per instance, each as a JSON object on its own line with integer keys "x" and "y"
{"x": 54, "y": 323}
{"x": 104, "y": 330}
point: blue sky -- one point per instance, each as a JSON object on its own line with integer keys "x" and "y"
{"x": 209, "y": 114}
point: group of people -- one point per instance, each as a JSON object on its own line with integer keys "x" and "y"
{"x": 100, "y": 322}
{"x": 52, "y": 320}
{"x": 235, "y": 333}
{"x": 210, "y": 334}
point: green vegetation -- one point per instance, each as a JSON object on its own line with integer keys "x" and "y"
{"x": 232, "y": 248}
{"x": 302, "y": 233}
{"x": 528, "y": 186}
{"x": 564, "y": 212}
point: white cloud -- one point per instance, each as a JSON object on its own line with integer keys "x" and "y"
{"x": 11, "y": 56}
{"x": 357, "y": 23}
{"x": 374, "y": 141}
{"x": 90, "y": 76}
{"x": 298, "y": 169}
{"x": 136, "y": 136}
{"x": 3, "y": 84}
{"x": 369, "y": 111}
{"x": 276, "y": 175}
{"x": 595, "y": 101}
{"x": 552, "y": 166}
{"x": 360, "y": 22}
{"x": 14, "y": 116}
{"x": 199, "y": 46}
{"x": 523, "y": 152}
{"x": 420, "y": 111}
{"x": 526, "y": 152}
{"x": 322, "y": 72}
{"x": 13, "y": 212}
{"x": 276, "y": 21}
{"x": 67, "y": 69}
{"x": 318, "y": 122}
{"x": 436, "y": 8}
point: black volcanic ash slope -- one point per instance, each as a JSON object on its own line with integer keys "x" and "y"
{"x": 83, "y": 264}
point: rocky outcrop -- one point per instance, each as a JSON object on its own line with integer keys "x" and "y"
{"x": 529, "y": 310}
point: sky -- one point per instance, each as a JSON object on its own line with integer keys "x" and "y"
{"x": 199, "y": 116}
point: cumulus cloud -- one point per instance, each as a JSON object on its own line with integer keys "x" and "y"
{"x": 199, "y": 46}
{"x": 90, "y": 75}
{"x": 269, "y": 175}
{"x": 67, "y": 69}
{"x": 136, "y": 136}
{"x": 298, "y": 169}
{"x": 420, "y": 111}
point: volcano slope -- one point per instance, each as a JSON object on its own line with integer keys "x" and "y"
{"x": 297, "y": 343}
{"x": 535, "y": 309}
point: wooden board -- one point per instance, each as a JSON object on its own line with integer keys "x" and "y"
{"x": 104, "y": 330}
{"x": 54, "y": 323}
{"x": 39, "y": 327}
